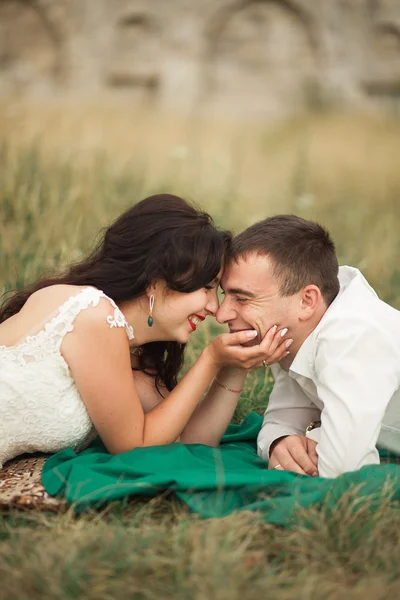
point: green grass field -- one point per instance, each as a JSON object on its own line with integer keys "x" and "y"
{"x": 64, "y": 174}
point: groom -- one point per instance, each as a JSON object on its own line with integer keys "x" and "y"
{"x": 337, "y": 393}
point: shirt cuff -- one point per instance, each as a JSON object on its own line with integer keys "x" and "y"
{"x": 314, "y": 434}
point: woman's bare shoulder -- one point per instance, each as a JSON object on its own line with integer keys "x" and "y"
{"x": 48, "y": 299}
{"x": 40, "y": 306}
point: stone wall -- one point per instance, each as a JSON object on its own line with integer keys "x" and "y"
{"x": 245, "y": 57}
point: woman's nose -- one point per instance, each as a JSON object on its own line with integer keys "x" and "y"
{"x": 213, "y": 304}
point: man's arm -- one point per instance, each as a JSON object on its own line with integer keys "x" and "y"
{"x": 289, "y": 413}
{"x": 357, "y": 373}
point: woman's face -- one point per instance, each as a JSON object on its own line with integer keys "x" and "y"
{"x": 177, "y": 315}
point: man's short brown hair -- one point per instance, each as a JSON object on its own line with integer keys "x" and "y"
{"x": 302, "y": 253}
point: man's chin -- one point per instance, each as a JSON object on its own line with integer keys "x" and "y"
{"x": 250, "y": 343}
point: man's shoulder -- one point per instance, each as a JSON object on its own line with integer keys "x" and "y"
{"x": 359, "y": 306}
{"x": 357, "y": 329}
{"x": 345, "y": 321}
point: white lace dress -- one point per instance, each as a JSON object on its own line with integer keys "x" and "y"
{"x": 40, "y": 406}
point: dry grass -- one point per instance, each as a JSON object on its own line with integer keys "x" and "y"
{"x": 66, "y": 173}
{"x": 152, "y": 552}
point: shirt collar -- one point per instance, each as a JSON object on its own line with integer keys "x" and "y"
{"x": 301, "y": 364}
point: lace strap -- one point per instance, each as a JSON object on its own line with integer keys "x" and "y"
{"x": 49, "y": 339}
{"x": 63, "y": 322}
{"x": 118, "y": 319}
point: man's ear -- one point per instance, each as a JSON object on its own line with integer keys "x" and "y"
{"x": 310, "y": 301}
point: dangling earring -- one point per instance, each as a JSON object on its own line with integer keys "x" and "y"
{"x": 150, "y": 320}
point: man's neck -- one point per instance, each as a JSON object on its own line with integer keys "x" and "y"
{"x": 299, "y": 337}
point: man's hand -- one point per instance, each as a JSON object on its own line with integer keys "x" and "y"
{"x": 295, "y": 453}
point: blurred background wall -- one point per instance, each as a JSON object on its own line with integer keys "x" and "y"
{"x": 249, "y": 58}
{"x": 247, "y": 107}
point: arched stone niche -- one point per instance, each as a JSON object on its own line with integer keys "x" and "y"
{"x": 382, "y": 78}
{"x": 135, "y": 54}
{"x": 30, "y": 46}
{"x": 387, "y": 41}
{"x": 262, "y": 55}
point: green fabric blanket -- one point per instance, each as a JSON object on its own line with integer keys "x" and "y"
{"x": 213, "y": 482}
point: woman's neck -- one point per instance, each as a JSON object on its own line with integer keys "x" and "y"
{"x": 136, "y": 312}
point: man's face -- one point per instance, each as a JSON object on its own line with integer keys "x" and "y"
{"x": 252, "y": 299}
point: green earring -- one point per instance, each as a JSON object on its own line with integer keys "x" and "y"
{"x": 150, "y": 320}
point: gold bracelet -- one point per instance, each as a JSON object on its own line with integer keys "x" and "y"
{"x": 226, "y": 388}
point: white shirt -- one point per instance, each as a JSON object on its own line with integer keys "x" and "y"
{"x": 346, "y": 374}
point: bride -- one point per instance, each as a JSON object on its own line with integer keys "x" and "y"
{"x": 98, "y": 349}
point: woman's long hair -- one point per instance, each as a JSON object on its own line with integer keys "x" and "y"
{"x": 161, "y": 237}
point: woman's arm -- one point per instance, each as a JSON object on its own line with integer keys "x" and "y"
{"x": 99, "y": 360}
{"x": 214, "y": 413}
{"x": 211, "y": 418}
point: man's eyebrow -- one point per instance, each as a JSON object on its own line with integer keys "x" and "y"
{"x": 240, "y": 292}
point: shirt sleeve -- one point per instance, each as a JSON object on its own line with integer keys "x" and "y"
{"x": 289, "y": 412}
{"x": 356, "y": 374}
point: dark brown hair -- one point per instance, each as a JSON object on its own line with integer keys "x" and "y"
{"x": 161, "y": 237}
{"x": 302, "y": 253}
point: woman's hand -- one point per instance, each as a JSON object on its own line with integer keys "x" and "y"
{"x": 228, "y": 350}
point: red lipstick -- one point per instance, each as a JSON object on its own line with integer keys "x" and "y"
{"x": 196, "y": 316}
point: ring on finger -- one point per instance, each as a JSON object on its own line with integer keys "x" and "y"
{"x": 264, "y": 364}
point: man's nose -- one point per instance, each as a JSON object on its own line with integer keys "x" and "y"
{"x": 225, "y": 313}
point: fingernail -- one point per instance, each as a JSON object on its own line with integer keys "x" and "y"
{"x": 284, "y": 331}
{"x": 286, "y": 353}
{"x": 251, "y": 334}
{"x": 275, "y": 327}
{"x": 288, "y": 343}
{"x": 315, "y": 474}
